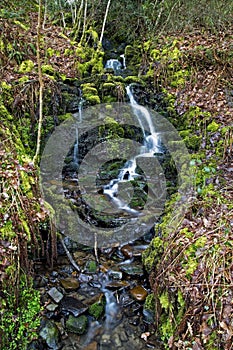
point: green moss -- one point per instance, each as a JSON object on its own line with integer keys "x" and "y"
{"x": 47, "y": 69}
{"x": 150, "y": 303}
{"x": 26, "y": 67}
{"x": 152, "y": 254}
{"x": 68, "y": 52}
{"x": 212, "y": 127}
{"x": 96, "y": 310}
{"x": 21, "y": 25}
{"x": 50, "y": 51}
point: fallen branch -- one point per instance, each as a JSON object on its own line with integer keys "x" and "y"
{"x": 69, "y": 256}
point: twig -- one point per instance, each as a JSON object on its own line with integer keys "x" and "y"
{"x": 77, "y": 268}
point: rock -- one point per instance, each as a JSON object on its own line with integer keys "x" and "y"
{"x": 91, "y": 346}
{"x": 139, "y": 293}
{"x": 123, "y": 336}
{"x": 116, "y": 275}
{"x": 117, "y": 285}
{"x": 73, "y": 306}
{"x": 52, "y": 307}
{"x": 127, "y": 251}
{"x": 96, "y": 310}
{"x": 132, "y": 270}
{"x": 55, "y": 294}
{"x": 50, "y": 334}
{"x": 69, "y": 284}
{"x": 77, "y": 325}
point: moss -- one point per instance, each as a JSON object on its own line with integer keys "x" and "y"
{"x": 92, "y": 99}
{"x": 96, "y": 310}
{"x": 152, "y": 254}
{"x": 26, "y": 67}
{"x": 68, "y": 52}
{"x": 133, "y": 79}
{"x": 50, "y": 51}
{"x": 212, "y": 127}
{"x": 47, "y": 69}
{"x": 150, "y": 303}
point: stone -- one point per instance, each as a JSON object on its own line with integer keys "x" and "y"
{"x": 50, "y": 334}
{"x": 117, "y": 285}
{"x": 132, "y": 270}
{"x": 139, "y": 293}
{"x": 55, "y": 295}
{"x": 127, "y": 251}
{"x": 77, "y": 325}
{"x": 73, "y": 305}
{"x": 69, "y": 284}
{"x": 51, "y": 307}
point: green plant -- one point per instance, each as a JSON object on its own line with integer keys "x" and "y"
{"x": 19, "y": 315}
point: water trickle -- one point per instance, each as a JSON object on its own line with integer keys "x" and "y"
{"x": 78, "y": 116}
{"x": 124, "y": 62}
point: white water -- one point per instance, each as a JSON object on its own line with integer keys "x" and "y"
{"x": 124, "y": 63}
{"x": 78, "y": 116}
{"x": 128, "y": 172}
{"x": 113, "y": 64}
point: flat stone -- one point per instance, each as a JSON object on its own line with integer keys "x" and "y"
{"x": 117, "y": 285}
{"x": 73, "y": 305}
{"x": 69, "y": 284}
{"x": 132, "y": 270}
{"x": 55, "y": 294}
{"x": 139, "y": 293}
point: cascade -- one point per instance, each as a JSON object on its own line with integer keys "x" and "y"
{"x": 149, "y": 148}
{"x": 113, "y": 64}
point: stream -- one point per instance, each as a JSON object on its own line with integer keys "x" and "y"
{"x": 102, "y": 306}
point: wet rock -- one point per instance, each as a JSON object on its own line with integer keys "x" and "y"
{"x": 116, "y": 275}
{"x": 96, "y": 310}
{"x": 148, "y": 316}
{"x": 106, "y": 339}
{"x": 84, "y": 278}
{"x": 132, "y": 270}
{"x": 127, "y": 251}
{"x": 50, "y": 334}
{"x": 73, "y": 306}
{"x": 55, "y": 294}
{"x": 117, "y": 285}
{"x": 69, "y": 284}
{"x": 139, "y": 293}
{"x": 77, "y": 325}
{"x": 117, "y": 340}
{"x": 91, "y": 346}
{"x": 123, "y": 336}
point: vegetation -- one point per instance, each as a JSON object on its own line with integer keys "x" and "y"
{"x": 181, "y": 53}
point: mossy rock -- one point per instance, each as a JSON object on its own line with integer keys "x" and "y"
{"x": 77, "y": 325}
{"x": 92, "y": 99}
{"x": 96, "y": 310}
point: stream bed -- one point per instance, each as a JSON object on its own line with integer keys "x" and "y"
{"x": 100, "y": 307}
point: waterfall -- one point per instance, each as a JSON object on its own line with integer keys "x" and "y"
{"x": 113, "y": 64}
{"x": 78, "y": 116}
{"x": 128, "y": 172}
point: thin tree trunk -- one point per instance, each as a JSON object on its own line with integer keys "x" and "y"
{"x": 84, "y": 22}
{"x": 104, "y": 22}
{"x": 40, "y": 83}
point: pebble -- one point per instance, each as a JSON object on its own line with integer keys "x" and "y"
{"x": 69, "y": 284}
{"x": 139, "y": 293}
